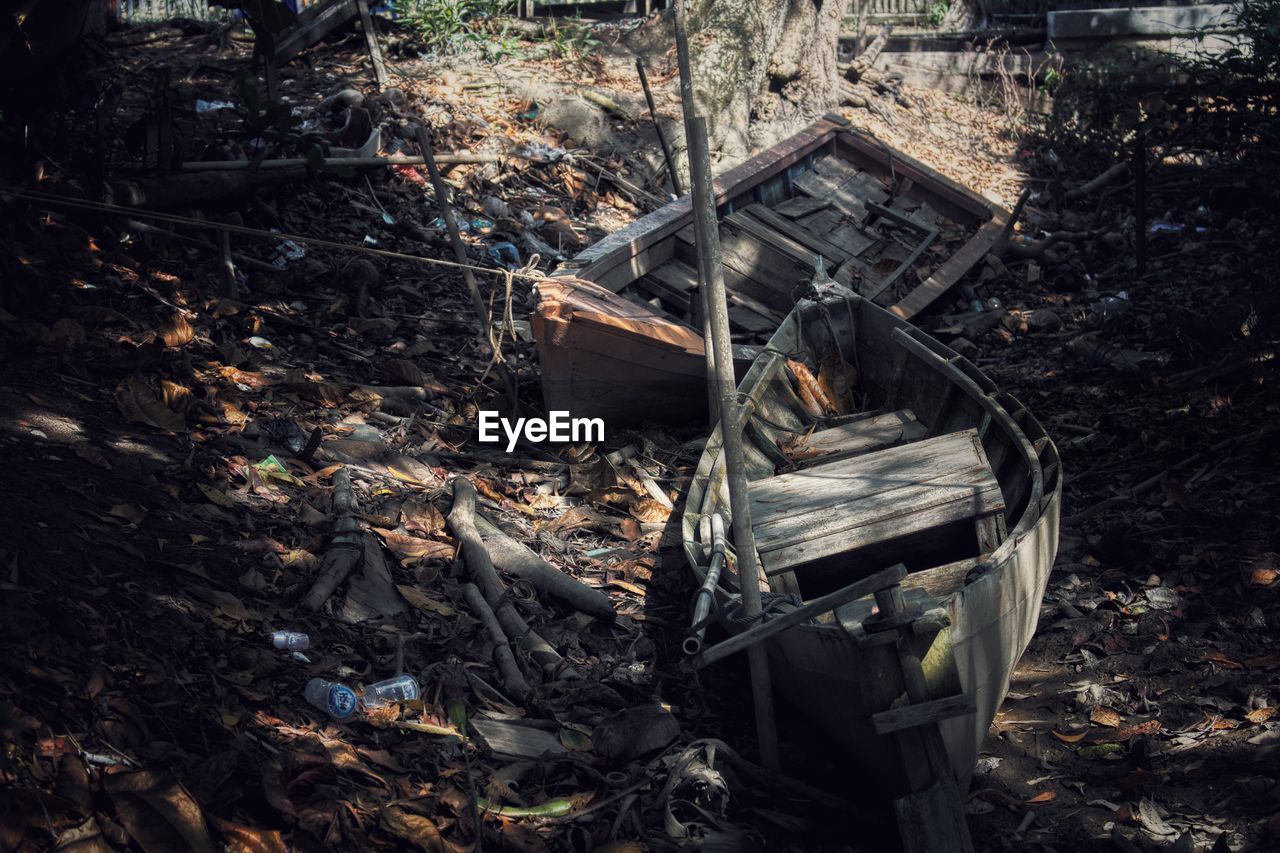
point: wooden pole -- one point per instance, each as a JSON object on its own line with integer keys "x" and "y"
{"x": 690, "y": 110}
{"x": 371, "y": 38}
{"x": 708, "y": 238}
{"x": 455, "y": 237}
{"x": 662, "y": 137}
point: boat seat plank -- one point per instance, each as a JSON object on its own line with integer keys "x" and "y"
{"x": 861, "y": 436}
{"x": 778, "y": 240}
{"x": 774, "y": 274}
{"x": 800, "y": 205}
{"x": 797, "y": 234}
{"x": 679, "y": 277}
{"x": 850, "y": 503}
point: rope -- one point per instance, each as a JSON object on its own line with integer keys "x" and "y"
{"x": 174, "y": 219}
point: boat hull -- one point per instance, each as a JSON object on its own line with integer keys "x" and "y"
{"x": 829, "y": 670}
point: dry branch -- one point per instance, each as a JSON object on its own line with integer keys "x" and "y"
{"x": 512, "y": 678}
{"x": 517, "y": 559}
{"x": 462, "y": 521}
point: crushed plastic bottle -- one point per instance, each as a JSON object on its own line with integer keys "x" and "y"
{"x": 1108, "y": 309}
{"x": 402, "y": 688}
{"x": 334, "y": 698}
{"x": 294, "y": 641}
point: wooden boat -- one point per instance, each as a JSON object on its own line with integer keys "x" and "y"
{"x": 936, "y": 470}
{"x": 619, "y": 327}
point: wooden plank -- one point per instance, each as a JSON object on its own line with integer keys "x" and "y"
{"x": 677, "y": 274}
{"x": 776, "y": 239}
{"x": 914, "y": 715}
{"x": 800, "y": 205}
{"x": 851, "y": 503}
{"x": 371, "y": 39}
{"x": 637, "y": 265}
{"x": 326, "y": 19}
{"x": 861, "y": 436}
{"x": 1146, "y": 21}
{"x": 949, "y": 272}
{"x": 768, "y": 276}
{"x": 796, "y": 234}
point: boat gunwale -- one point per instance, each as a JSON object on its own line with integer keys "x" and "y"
{"x": 606, "y": 256}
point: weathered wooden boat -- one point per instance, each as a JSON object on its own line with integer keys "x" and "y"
{"x": 936, "y": 470}
{"x": 619, "y": 327}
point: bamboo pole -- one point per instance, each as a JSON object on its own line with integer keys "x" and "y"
{"x": 690, "y": 110}
{"x": 662, "y": 137}
{"x": 709, "y": 262}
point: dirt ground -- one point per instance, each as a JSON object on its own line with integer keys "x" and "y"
{"x": 160, "y": 514}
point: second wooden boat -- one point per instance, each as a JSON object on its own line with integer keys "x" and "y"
{"x": 870, "y": 445}
{"x": 619, "y": 328}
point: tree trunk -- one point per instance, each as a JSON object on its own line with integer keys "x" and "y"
{"x": 764, "y": 69}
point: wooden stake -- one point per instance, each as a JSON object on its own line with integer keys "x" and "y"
{"x": 690, "y": 110}
{"x": 709, "y": 262}
{"x": 662, "y": 137}
{"x": 371, "y": 37}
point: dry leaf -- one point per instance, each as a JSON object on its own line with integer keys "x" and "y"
{"x": 650, "y": 511}
{"x": 414, "y": 829}
{"x": 836, "y": 378}
{"x": 177, "y": 332}
{"x": 815, "y": 400}
{"x": 1260, "y": 715}
{"x": 1105, "y": 717}
{"x": 216, "y": 496}
{"x": 421, "y": 516}
{"x": 1070, "y": 738}
{"x": 1043, "y": 796}
{"x": 243, "y": 377}
{"x": 90, "y": 454}
{"x": 131, "y": 513}
{"x": 139, "y": 403}
{"x": 63, "y": 336}
{"x": 409, "y": 547}
{"x": 419, "y": 599}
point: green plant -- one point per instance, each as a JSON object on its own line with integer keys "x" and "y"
{"x": 447, "y": 26}
{"x": 938, "y": 11}
{"x": 571, "y": 39}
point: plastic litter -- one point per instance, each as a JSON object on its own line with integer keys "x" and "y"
{"x": 1108, "y": 309}
{"x": 287, "y": 252}
{"x": 287, "y": 434}
{"x": 294, "y": 641}
{"x": 213, "y": 106}
{"x": 334, "y": 698}
{"x": 402, "y": 688}
{"x": 506, "y": 254}
{"x": 540, "y": 152}
{"x": 260, "y": 342}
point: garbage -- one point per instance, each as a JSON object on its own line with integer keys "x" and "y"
{"x": 294, "y": 641}
{"x": 1159, "y": 227}
{"x": 285, "y": 433}
{"x": 496, "y": 207}
{"x": 203, "y": 106}
{"x": 334, "y": 698}
{"x": 540, "y": 152}
{"x": 259, "y": 342}
{"x": 1090, "y": 348}
{"x": 402, "y": 688}
{"x": 1108, "y": 309}
{"x": 505, "y": 254}
{"x": 287, "y": 252}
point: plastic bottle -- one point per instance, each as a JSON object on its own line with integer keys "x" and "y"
{"x": 1108, "y": 309}
{"x": 294, "y": 641}
{"x": 335, "y": 699}
{"x": 402, "y": 688}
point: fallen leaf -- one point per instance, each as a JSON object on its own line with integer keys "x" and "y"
{"x": 131, "y": 513}
{"x": 417, "y": 830}
{"x": 421, "y": 516}
{"x": 158, "y": 812}
{"x": 90, "y": 454}
{"x": 1071, "y": 738}
{"x": 63, "y": 336}
{"x": 177, "y": 332}
{"x": 1149, "y": 727}
{"x": 1222, "y": 660}
{"x": 1101, "y": 752}
{"x": 137, "y": 402}
{"x": 1043, "y": 797}
{"x": 1260, "y": 715}
{"x": 650, "y": 511}
{"x": 419, "y": 599}
{"x": 216, "y": 496}
{"x": 244, "y": 839}
{"x": 409, "y": 547}
{"x": 1105, "y": 717}
{"x": 629, "y": 587}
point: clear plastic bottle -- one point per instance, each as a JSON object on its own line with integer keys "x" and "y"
{"x": 294, "y": 641}
{"x": 1108, "y": 309}
{"x": 402, "y": 688}
{"x": 334, "y": 698}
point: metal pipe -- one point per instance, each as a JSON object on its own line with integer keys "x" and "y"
{"x": 753, "y": 637}
{"x": 705, "y": 597}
